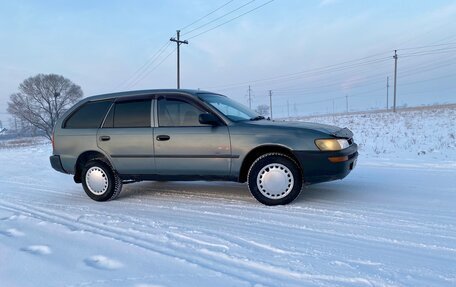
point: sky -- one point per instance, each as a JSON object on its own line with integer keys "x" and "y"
{"x": 315, "y": 56}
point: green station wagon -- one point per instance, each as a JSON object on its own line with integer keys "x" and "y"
{"x": 109, "y": 140}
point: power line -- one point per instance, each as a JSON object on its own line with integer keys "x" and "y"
{"x": 317, "y": 79}
{"x": 427, "y": 46}
{"x": 155, "y": 67}
{"x": 312, "y": 74}
{"x": 143, "y": 68}
{"x": 316, "y": 91}
{"x": 300, "y": 93}
{"x": 138, "y": 75}
{"x": 427, "y": 80}
{"x": 218, "y": 18}
{"x": 142, "y": 71}
{"x": 232, "y": 19}
{"x": 429, "y": 91}
{"x": 424, "y": 53}
{"x": 324, "y": 69}
{"x": 338, "y": 67}
{"x": 414, "y": 70}
{"x": 363, "y": 93}
{"x": 208, "y": 14}
{"x": 423, "y": 33}
{"x": 426, "y": 68}
{"x": 426, "y": 64}
{"x": 406, "y": 72}
{"x": 377, "y": 89}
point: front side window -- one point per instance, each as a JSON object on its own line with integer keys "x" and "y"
{"x": 129, "y": 114}
{"x": 231, "y": 109}
{"x": 178, "y": 113}
{"x": 89, "y": 116}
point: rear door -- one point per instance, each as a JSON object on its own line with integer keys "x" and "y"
{"x": 183, "y": 146}
{"x": 127, "y": 136}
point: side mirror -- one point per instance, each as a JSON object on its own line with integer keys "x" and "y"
{"x": 209, "y": 119}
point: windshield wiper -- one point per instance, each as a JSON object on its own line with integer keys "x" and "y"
{"x": 257, "y": 118}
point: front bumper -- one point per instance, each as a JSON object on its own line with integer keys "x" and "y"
{"x": 56, "y": 163}
{"x": 317, "y": 167}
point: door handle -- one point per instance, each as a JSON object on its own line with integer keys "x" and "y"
{"x": 163, "y": 138}
{"x": 105, "y": 138}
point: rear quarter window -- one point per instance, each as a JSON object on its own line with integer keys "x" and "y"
{"x": 88, "y": 116}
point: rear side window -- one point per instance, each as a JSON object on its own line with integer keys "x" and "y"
{"x": 129, "y": 114}
{"x": 88, "y": 116}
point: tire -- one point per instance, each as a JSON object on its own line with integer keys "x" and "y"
{"x": 100, "y": 181}
{"x": 275, "y": 179}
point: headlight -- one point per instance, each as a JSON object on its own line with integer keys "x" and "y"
{"x": 332, "y": 144}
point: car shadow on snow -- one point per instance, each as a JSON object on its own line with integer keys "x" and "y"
{"x": 194, "y": 189}
{"x": 329, "y": 191}
{"x": 198, "y": 190}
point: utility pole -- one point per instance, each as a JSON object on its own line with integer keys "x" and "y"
{"x": 395, "y": 79}
{"x": 250, "y": 98}
{"x": 346, "y": 102}
{"x": 387, "y": 93}
{"x": 270, "y": 103}
{"x": 288, "y": 108}
{"x": 178, "y": 42}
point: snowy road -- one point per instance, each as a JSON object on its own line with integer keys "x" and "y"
{"x": 382, "y": 226}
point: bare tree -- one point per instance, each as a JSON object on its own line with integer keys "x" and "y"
{"x": 42, "y": 99}
{"x": 263, "y": 110}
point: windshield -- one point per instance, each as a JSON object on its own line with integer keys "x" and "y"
{"x": 231, "y": 109}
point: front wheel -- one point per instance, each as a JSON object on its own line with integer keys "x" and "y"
{"x": 274, "y": 179}
{"x": 100, "y": 181}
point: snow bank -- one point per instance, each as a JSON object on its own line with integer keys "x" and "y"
{"x": 425, "y": 134}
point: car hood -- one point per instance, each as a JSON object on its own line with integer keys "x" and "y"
{"x": 328, "y": 129}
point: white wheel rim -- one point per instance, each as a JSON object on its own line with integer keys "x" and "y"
{"x": 275, "y": 181}
{"x": 97, "y": 180}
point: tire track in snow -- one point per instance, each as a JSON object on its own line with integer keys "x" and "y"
{"x": 328, "y": 232}
{"x": 373, "y": 212}
{"x": 225, "y": 264}
{"x": 408, "y": 219}
{"x": 271, "y": 222}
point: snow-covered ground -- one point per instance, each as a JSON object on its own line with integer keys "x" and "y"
{"x": 425, "y": 134}
{"x": 391, "y": 222}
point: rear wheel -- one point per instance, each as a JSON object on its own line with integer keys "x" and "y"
{"x": 100, "y": 181}
{"x": 274, "y": 179}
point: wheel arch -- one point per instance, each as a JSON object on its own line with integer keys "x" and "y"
{"x": 259, "y": 151}
{"x": 83, "y": 158}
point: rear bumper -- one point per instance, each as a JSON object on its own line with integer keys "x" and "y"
{"x": 317, "y": 167}
{"x": 56, "y": 163}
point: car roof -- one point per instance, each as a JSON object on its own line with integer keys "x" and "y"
{"x": 128, "y": 94}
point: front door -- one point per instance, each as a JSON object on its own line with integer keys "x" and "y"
{"x": 183, "y": 146}
{"x": 127, "y": 137}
